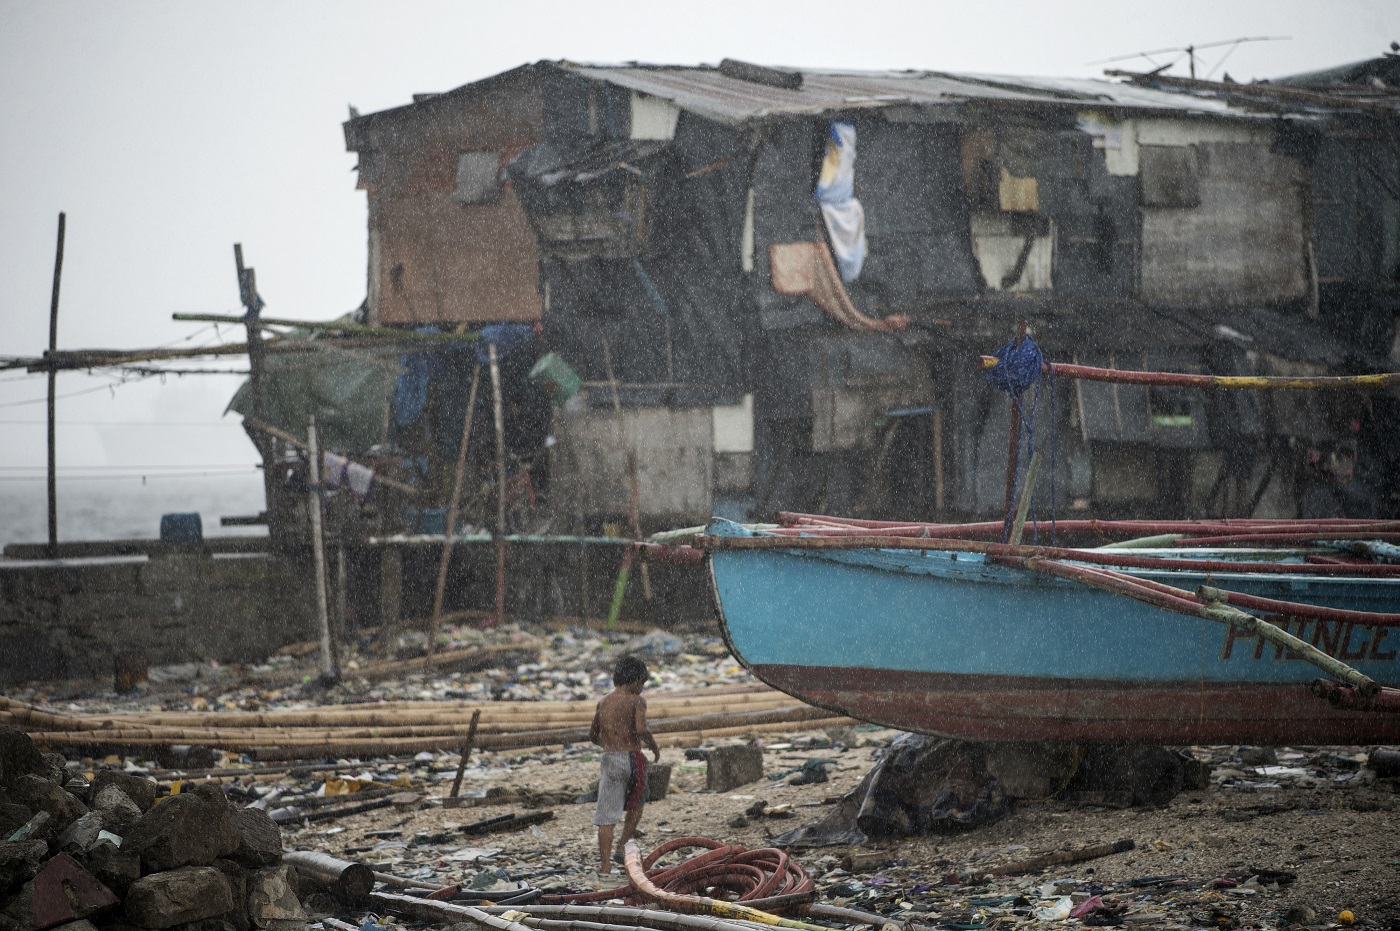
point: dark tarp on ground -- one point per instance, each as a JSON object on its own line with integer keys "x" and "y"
{"x": 348, "y": 392}
{"x": 920, "y": 785}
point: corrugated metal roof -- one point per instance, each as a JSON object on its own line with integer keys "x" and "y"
{"x": 707, "y": 92}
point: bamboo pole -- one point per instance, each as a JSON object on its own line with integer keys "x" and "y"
{"x": 634, "y": 496}
{"x": 296, "y": 441}
{"x": 488, "y": 736}
{"x": 329, "y": 672}
{"x": 1023, "y": 507}
{"x": 1183, "y": 602}
{"x": 53, "y": 388}
{"x": 498, "y": 412}
{"x": 1099, "y": 557}
{"x": 359, "y": 329}
{"x": 270, "y": 747}
{"x": 409, "y": 746}
{"x": 450, "y": 529}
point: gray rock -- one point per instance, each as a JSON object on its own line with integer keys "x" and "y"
{"x": 55, "y": 768}
{"x": 260, "y": 839}
{"x": 82, "y": 924}
{"x": 237, "y": 878}
{"x": 210, "y": 924}
{"x": 82, "y": 834}
{"x": 190, "y": 893}
{"x": 39, "y": 794}
{"x": 19, "y": 861}
{"x": 191, "y": 829}
{"x": 139, "y": 789}
{"x": 38, "y": 827}
{"x": 116, "y": 808}
{"x": 16, "y": 914}
{"x": 117, "y": 869}
{"x": 19, "y": 756}
{"x": 12, "y": 818}
{"x": 272, "y": 901}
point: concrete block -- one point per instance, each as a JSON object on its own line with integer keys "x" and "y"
{"x": 730, "y": 767}
{"x": 658, "y": 781}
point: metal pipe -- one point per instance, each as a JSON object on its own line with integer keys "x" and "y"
{"x": 347, "y": 880}
{"x": 435, "y": 911}
{"x": 626, "y": 915}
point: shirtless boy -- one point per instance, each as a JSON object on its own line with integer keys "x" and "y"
{"x": 620, "y": 728}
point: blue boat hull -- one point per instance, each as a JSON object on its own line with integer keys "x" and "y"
{"x": 947, "y": 644}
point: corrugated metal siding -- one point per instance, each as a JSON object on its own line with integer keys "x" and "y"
{"x": 707, "y": 92}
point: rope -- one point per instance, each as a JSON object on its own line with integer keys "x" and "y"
{"x": 1020, "y": 365}
{"x": 718, "y": 869}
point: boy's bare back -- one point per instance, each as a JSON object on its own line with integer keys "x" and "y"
{"x": 620, "y": 721}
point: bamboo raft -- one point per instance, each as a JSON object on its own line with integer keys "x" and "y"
{"x": 388, "y": 728}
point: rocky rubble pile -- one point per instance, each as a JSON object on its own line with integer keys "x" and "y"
{"x": 109, "y": 854}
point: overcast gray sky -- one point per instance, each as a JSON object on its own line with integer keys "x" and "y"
{"x": 169, "y": 131}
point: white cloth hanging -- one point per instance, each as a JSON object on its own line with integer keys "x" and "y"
{"x": 836, "y": 192}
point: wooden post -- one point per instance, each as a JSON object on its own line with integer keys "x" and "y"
{"x": 498, "y": 411}
{"x": 342, "y": 589}
{"x": 53, "y": 387}
{"x": 938, "y": 495}
{"x": 450, "y": 530}
{"x": 390, "y": 596}
{"x": 452, "y": 800}
{"x": 329, "y": 672}
{"x": 257, "y": 381}
{"x": 1024, "y": 506}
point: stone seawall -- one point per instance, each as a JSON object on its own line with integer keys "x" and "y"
{"x": 67, "y": 618}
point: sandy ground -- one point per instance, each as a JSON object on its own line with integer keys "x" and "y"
{"x": 1338, "y": 838}
{"x": 1326, "y": 818}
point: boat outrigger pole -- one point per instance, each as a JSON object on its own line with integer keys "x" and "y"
{"x": 1189, "y": 380}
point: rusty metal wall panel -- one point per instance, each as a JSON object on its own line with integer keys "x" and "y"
{"x": 1244, "y": 244}
{"x": 436, "y": 260}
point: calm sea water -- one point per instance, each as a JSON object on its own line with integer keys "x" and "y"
{"x": 127, "y": 509}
